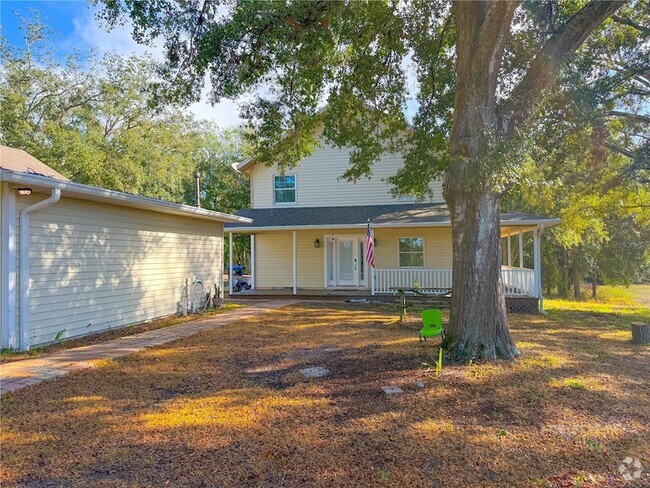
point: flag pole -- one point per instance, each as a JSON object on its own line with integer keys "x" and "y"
{"x": 371, "y": 267}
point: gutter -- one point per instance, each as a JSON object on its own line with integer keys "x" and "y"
{"x": 24, "y": 263}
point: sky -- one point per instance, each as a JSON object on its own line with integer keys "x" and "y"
{"x": 76, "y": 27}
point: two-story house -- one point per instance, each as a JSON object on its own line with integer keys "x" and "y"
{"x": 309, "y": 232}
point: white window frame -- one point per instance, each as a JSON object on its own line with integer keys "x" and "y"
{"x": 399, "y": 252}
{"x": 295, "y": 189}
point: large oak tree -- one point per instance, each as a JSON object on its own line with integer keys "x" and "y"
{"x": 475, "y": 73}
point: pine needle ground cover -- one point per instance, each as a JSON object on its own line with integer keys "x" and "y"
{"x": 230, "y": 408}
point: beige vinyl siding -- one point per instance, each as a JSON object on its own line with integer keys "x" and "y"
{"x": 274, "y": 260}
{"x": 319, "y": 182}
{"x": 311, "y": 264}
{"x": 437, "y": 246}
{"x": 95, "y": 266}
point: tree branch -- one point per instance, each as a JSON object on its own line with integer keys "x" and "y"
{"x": 639, "y": 117}
{"x": 631, "y": 23}
{"x": 544, "y": 68}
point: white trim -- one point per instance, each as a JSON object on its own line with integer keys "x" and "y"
{"x": 537, "y": 258}
{"x": 295, "y": 265}
{"x": 24, "y": 263}
{"x": 295, "y": 190}
{"x": 230, "y": 287}
{"x": 252, "y": 283}
{"x": 521, "y": 250}
{"x": 86, "y": 192}
{"x": 424, "y": 258}
{"x": 8, "y": 267}
{"x": 394, "y": 225}
{"x": 509, "y": 252}
{"x": 372, "y": 268}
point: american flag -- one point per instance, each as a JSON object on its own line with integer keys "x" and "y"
{"x": 370, "y": 248}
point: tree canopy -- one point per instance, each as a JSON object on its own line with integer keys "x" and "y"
{"x": 98, "y": 122}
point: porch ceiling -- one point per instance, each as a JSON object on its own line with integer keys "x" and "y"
{"x": 394, "y": 215}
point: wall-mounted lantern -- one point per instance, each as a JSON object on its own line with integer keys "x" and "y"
{"x": 317, "y": 243}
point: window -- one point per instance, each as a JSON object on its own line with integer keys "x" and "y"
{"x": 411, "y": 252}
{"x": 284, "y": 189}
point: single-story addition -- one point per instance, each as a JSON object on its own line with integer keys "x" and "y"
{"x": 323, "y": 248}
{"x": 77, "y": 259}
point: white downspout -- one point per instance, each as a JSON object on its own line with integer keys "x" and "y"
{"x": 230, "y": 277}
{"x": 24, "y": 263}
{"x": 541, "y": 296}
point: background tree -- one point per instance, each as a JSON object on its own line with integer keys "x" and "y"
{"x": 357, "y": 57}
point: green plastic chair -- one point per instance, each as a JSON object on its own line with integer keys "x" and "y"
{"x": 431, "y": 324}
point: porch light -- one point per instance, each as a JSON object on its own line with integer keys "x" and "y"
{"x": 317, "y": 243}
{"x": 24, "y": 191}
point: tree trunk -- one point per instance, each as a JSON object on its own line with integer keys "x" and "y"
{"x": 563, "y": 277}
{"x": 575, "y": 271}
{"x": 478, "y": 312}
{"x": 478, "y": 324}
{"x": 640, "y": 333}
{"x": 594, "y": 285}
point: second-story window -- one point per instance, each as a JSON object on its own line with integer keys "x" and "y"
{"x": 284, "y": 189}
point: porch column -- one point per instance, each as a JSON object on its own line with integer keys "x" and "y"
{"x": 295, "y": 266}
{"x": 252, "y": 261}
{"x": 230, "y": 264}
{"x": 521, "y": 250}
{"x": 372, "y": 268}
{"x": 537, "y": 254}
{"x": 509, "y": 251}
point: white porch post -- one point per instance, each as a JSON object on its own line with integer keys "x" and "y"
{"x": 252, "y": 262}
{"x": 8, "y": 267}
{"x": 230, "y": 264}
{"x": 521, "y": 250}
{"x": 372, "y": 268}
{"x": 295, "y": 266}
{"x": 509, "y": 251}
{"x": 538, "y": 267}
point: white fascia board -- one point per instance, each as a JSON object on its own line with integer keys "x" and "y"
{"x": 86, "y": 192}
{"x": 393, "y": 225}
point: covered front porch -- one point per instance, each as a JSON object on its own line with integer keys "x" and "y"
{"x": 412, "y": 248}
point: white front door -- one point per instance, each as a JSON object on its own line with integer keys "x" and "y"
{"x": 343, "y": 261}
{"x": 347, "y": 262}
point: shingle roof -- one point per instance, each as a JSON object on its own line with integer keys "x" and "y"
{"x": 379, "y": 215}
{"x": 18, "y": 160}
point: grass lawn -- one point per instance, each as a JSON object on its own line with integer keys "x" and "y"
{"x": 229, "y": 408}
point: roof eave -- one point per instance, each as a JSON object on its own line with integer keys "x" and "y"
{"x": 362, "y": 225}
{"x": 92, "y": 193}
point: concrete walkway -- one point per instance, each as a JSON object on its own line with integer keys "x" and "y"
{"x": 18, "y": 374}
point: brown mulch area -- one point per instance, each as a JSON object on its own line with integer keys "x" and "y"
{"x": 229, "y": 408}
{"x": 8, "y": 356}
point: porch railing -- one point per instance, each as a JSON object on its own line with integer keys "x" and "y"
{"x": 433, "y": 281}
{"x": 516, "y": 281}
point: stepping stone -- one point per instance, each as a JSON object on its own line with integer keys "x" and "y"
{"x": 315, "y": 372}
{"x": 420, "y": 384}
{"x": 392, "y": 390}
